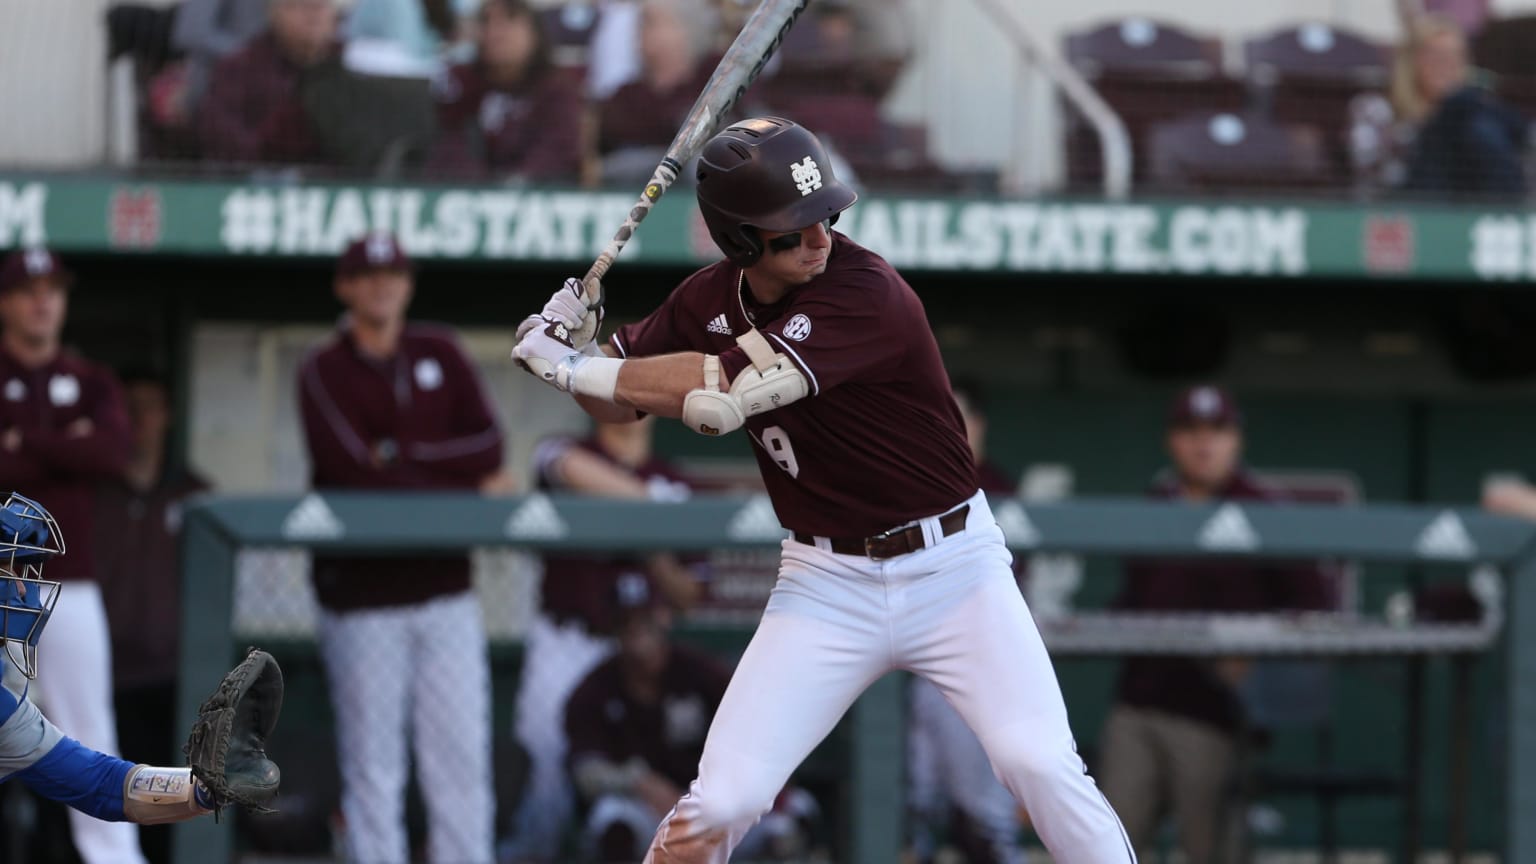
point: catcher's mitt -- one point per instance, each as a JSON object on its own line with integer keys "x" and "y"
{"x": 226, "y": 748}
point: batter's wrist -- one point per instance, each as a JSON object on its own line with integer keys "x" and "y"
{"x": 597, "y": 377}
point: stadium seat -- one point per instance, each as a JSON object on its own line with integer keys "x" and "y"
{"x": 1212, "y": 153}
{"x": 1309, "y": 75}
{"x": 1149, "y": 72}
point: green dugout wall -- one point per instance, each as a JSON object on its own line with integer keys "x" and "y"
{"x": 217, "y": 528}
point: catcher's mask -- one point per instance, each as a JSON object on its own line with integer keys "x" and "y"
{"x": 766, "y": 174}
{"x": 28, "y": 538}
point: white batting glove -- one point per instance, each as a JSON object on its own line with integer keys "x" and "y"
{"x": 545, "y": 350}
{"x": 568, "y": 305}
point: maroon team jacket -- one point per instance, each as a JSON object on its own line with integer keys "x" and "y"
{"x": 418, "y": 421}
{"x": 55, "y": 466}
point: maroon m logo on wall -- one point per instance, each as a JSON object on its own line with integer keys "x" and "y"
{"x": 134, "y": 218}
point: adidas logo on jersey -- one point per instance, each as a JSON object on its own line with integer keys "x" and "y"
{"x": 719, "y": 325}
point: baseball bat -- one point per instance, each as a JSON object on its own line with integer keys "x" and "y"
{"x": 742, "y": 62}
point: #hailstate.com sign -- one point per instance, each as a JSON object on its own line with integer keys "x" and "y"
{"x": 1022, "y": 236}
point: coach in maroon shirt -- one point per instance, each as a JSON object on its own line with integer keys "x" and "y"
{"x": 389, "y": 405}
{"x": 63, "y": 432}
{"x": 1173, "y": 729}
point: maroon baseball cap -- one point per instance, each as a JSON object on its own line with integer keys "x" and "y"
{"x": 35, "y": 262}
{"x": 378, "y": 250}
{"x": 1204, "y": 403}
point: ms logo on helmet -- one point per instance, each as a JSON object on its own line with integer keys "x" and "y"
{"x": 806, "y": 174}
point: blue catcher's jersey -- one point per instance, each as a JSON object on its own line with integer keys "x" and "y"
{"x": 55, "y": 766}
{"x": 25, "y": 734}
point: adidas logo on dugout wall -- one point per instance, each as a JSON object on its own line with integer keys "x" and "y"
{"x": 718, "y": 324}
{"x": 312, "y": 519}
{"x": 536, "y": 519}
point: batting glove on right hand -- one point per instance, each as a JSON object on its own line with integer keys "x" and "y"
{"x": 568, "y": 305}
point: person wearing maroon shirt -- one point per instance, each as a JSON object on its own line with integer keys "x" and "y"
{"x": 636, "y": 727}
{"x": 824, "y": 354}
{"x": 574, "y": 630}
{"x": 394, "y": 406}
{"x": 636, "y": 124}
{"x": 252, "y": 112}
{"x": 1170, "y": 739}
{"x": 636, "y": 724}
{"x": 509, "y": 114}
{"x": 138, "y": 533}
{"x": 63, "y": 432}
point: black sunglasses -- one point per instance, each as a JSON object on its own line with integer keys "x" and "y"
{"x": 786, "y": 242}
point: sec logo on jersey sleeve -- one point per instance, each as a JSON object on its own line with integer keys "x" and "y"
{"x": 797, "y": 328}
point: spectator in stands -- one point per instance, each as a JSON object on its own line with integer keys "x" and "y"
{"x": 253, "y": 111}
{"x": 614, "y": 54}
{"x": 392, "y": 405}
{"x": 637, "y": 123}
{"x": 1467, "y": 144}
{"x": 138, "y": 528}
{"x": 576, "y": 623}
{"x": 953, "y": 790}
{"x": 1170, "y": 740}
{"x": 636, "y": 726}
{"x": 208, "y": 31}
{"x": 404, "y": 37}
{"x": 509, "y": 114}
{"x": 63, "y": 432}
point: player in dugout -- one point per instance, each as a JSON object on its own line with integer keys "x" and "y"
{"x": 823, "y": 353}
{"x": 62, "y": 769}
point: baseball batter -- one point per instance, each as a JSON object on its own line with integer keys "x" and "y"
{"x": 823, "y": 354}
{"x": 32, "y": 749}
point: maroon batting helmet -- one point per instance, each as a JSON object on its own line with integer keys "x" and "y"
{"x": 765, "y": 174}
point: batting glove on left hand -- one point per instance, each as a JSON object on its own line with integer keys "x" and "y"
{"x": 568, "y": 305}
{"x": 545, "y": 349}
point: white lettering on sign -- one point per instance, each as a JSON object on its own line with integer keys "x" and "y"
{"x": 493, "y": 224}
{"x": 1082, "y": 237}
{"x": 22, "y": 209}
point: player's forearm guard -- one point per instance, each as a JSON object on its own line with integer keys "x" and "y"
{"x": 153, "y": 796}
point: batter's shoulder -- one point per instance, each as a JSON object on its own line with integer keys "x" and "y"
{"x": 864, "y": 270}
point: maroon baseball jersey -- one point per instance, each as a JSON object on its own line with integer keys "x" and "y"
{"x": 603, "y": 719}
{"x": 581, "y": 588}
{"x": 417, "y": 421}
{"x": 58, "y": 462}
{"x": 879, "y": 441}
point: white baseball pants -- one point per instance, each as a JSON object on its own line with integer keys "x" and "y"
{"x": 422, "y": 667}
{"x": 558, "y": 657}
{"x": 74, "y": 675}
{"x": 951, "y": 613}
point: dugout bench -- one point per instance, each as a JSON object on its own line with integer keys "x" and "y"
{"x": 217, "y": 528}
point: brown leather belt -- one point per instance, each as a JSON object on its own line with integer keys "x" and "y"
{"x": 897, "y": 541}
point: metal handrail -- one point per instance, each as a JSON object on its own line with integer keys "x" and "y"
{"x": 1114, "y": 141}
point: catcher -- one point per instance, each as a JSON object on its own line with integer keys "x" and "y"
{"x": 227, "y": 764}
